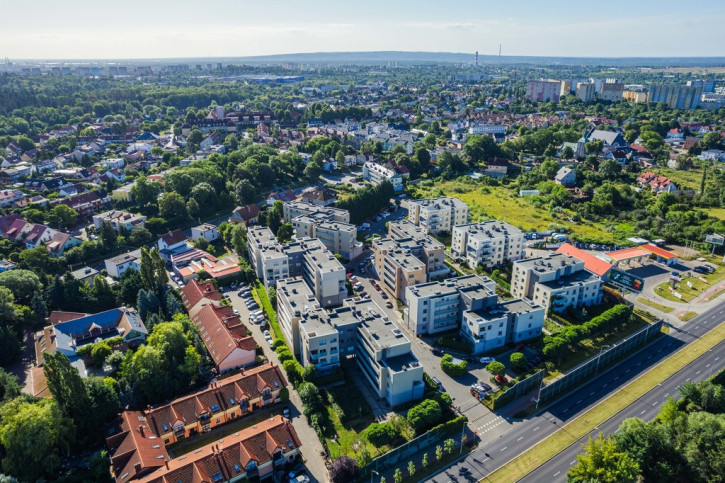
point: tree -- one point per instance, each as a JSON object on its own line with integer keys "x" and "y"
{"x": 291, "y": 368}
{"x": 285, "y": 232}
{"x": 22, "y": 283}
{"x": 107, "y": 236}
{"x": 66, "y": 385}
{"x": 34, "y": 436}
{"x": 496, "y": 368}
{"x": 549, "y": 168}
{"x": 245, "y": 192}
{"x": 453, "y": 369}
{"x": 99, "y": 353}
{"x": 602, "y": 462}
{"x": 650, "y": 445}
{"x": 439, "y": 452}
{"x": 172, "y": 205}
{"x": 610, "y": 169}
{"x": 398, "y": 476}
{"x": 424, "y": 415}
{"x": 448, "y": 446}
{"x": 104, "y": 403}
{"x": 411, "y": 468}
{"x": 479, "y": 149}
{"x": 344, "y": 470}
{"x": 62, "y": 216}
{"x": 192, "y": 208}
{"x": 140, "y": 236}
{"x": 145, "y": 192}
{"x": 425, "y": 461}
{"x": 9, "y": 387}
{"x": 313, "y": 170}
{"x": 518, "y": 360}
{"x": 567, "y": 152}
{"x": 381, "y": 434}
{"x": 10, "y": 346}
{"x": 239, "y": 239}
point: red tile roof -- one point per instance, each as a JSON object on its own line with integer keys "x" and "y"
{"x": 194, "y": 291}
{"x": 258, "y": 443}
{"x": 58, "y": 316}
{"x": 248, "y": 212}
{"x": 173, "y": 237}
{"x": 222, "y": 332}
{"x": 135, "y": 449}
{"x": 594, "y": 264}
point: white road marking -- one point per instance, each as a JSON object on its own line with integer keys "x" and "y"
{"x": 503, "y": 449}
{"x": 591, "y": 393}
{"x": 688, "y": 379}
{"x": 698, "y": 372}
{"x": 536, "y": 428}
{"x": 643, "y": 412}
{"x": 520, "y": 438}
{"x": 565, "y": 410}
{"x": 579, "y": 401}
{"x": 707, "y": 365}
{"x": 555, "y": 474}
{"x": 572, "y": 462}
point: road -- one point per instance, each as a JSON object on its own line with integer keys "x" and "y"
{"x": 646, "y": 408}
{"x": 496, "y": 450}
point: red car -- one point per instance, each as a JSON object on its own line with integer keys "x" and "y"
{"x": 519, "y": 346}
{"x": 502, "y": 379}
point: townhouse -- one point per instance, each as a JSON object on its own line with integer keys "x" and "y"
{"x": 556, "y": 281}
{"x": 437, "y": 215}
{"x": 119, "y": 220}
{"x": 222, "y": 331}
{"x": 489, "y": 243}
{"x": 250, "y": 454}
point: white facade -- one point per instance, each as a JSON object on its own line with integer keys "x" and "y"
{"x": 294, "y": 300}
{"x": 489, "y": 243}
{"x": 117, "y": 265}
{"x": 479, "y": 128}
{"x": 556, "y": 281}
{"x": 508, "y": 322}
{"x": 377, "y": 173}
{"x": 207, "y": 231}
{"x": 437, "y": 215}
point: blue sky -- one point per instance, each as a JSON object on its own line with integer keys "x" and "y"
{"x": 70, "y": 29}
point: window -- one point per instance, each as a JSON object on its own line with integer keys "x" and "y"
{"x": 500, "y": 333}
{"x": 216, "y": 477}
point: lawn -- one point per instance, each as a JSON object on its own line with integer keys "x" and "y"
{"x": 716, "y": 213}
{"x": 690, "y": 178}
{"x": 348, "y": 432}
{"x": 498, "y": 202}
{"x": 698, "y": 286}
{"x": 655, "y": 305}
{"x": 687, "y": 316}
{"x": 571, "y": 432}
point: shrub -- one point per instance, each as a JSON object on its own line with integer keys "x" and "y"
{"x": 285, "y": 355}
{"x": 344, "y": 470}
{"x": 424, "y": 415}
{"x": 452, "y": 369}
{"x": 381, "y": 434}
{"x": 284, "y": 394}
{"x": 99, "y": 354}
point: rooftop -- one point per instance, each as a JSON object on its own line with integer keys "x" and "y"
{"x": 471, "y": 284}
{"x": 548, "y": 263}
{"x": 490, "y": 229}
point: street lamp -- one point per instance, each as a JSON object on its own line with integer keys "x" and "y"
{"x": 538, "y": 395}
{"x": 373, "y": 472}
{"x": 599, "y": 357}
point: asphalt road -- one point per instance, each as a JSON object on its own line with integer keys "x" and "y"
{"x": 495, "y": 451}
{"x": 646, "y": 408}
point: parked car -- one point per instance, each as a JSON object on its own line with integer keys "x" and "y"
{"x": 389, "y": 304}
{"x": 502, "y": 379}
{"x": 266, "y": 334}
{"x": 438, "y": 383}
{"x": 702, "y": 270}
{"x": 358, "y": 286}
{"x": 487, "y": 360}
{"x": 383, "y": 295}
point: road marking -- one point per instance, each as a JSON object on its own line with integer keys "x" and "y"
{"x": 654, "y": 404}
{"x": 698, "y": 372}
{"x": 707, "y": 365}
{"x": 565, "y": 410}
{"x": 688, "y": 379}
{"x": 639, "y": 364}
{"x": 503, "y": 449}
{"x": 572, "y": 462}
{"x": 536, "y": 428}
{"x": 579, "y": 401}
{"x": 591, "y": 393}
{"x": 627, "y": 371}
{"x": 616, "y": 378}
{"x": 520, "y": 438}
{"x": 667, "y": 394}
{"x": 717, "y": 358}
{"x": 557, "y": 473}
{"x": 643, "y": 412}
{"x": 605, "y": 385}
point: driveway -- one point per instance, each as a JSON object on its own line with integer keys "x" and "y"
{"x": 311, "y": 446}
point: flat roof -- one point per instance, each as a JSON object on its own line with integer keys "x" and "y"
{"x": 489, "y": 229}
{"x": 467, "y": 283}
{"x": 548, "y": 262}
{"x": 494, "y": 312}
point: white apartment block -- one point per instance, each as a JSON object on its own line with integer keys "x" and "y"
{"x": 325, "y": 275}
{"x": 267, "y": 255}
{"x": 294, "y": 301}
{"x": 437, "y": 215}
{"x": 489, "y": 243}
{"x": 511, "y": 321}
{"x": 377, "y": 173}
{"x": 429, "y": 250}
{"x": 556, "y": 281}
{"x": 382, "y": 352}
{"x": 437, "y": 306}
{"x": 292, "y": 209}
{"x": 484, "y": 128}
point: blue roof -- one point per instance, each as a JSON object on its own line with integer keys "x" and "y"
{"x": 65, "y": 332}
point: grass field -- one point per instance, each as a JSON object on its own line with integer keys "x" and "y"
{"x": 348, "y": 437}
{"x": 718, "y": 213}
{"x": 698, "y": 286}
{"x": 687, "y": 316}
{"x": 260, "y": 294}
{"x": 690, "y": 178}
{"x": 497, "y": 202}
{"x": 655, "y": 305}
{"x": 571, "y": 432}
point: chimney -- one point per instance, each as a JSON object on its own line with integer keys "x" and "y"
{"x": 137, "y": 468}
{"x": 140, "y": 430}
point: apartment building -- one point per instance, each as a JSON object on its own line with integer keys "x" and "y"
{"x": 585, "y": 91}
{"x": 338, "y": 237}
{"x": 292, "y": 209}
{"x": 397, "y": 267}
{"x": 377, "y": 173}
{"x": 426, "y": 248}
{"x": 543, "y": 90}
{"x": 470, "y": 304}
{"x": 556, "y": 281}
{"x": 612, "y": 91}
{"x": 266, "y": 255}
{"x": 437, "y": 306}
{"x": 489, "y": 243}
{"x": 494, "y": 326}
{"x": 324, "y": 274}
{"x": 437, "y": 215}
{"x": 294, "y": 300}
{"x": 676, "y": 96}
{"x": 382, "y": 352}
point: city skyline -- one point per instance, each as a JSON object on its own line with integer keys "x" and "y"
{"x": 79, "y": 29}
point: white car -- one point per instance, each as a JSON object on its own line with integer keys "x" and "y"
{"x": 487, "y": 360}
{"x": 358, "y": 286}
{"x": 266, "y": 334}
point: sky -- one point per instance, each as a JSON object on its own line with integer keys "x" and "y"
{"x": 134, "y": 29}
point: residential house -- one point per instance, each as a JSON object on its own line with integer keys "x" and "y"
{"x": 119, "y": 220}
{"x": 565, "y": 177}
{"x": 245, "y": 214}
{"x": 207, "y": 231}
{"x": 115, "y": 266}
{"x": 10, "y": 196}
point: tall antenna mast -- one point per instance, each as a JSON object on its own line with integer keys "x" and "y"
{"x": 499, "y": 52}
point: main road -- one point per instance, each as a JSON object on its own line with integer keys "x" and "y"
{"x": 496, "y": 451}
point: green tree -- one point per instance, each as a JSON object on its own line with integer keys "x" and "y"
{"x": 285, "y": 232}
{"x": 313, "y": 170}
{"x": 411, "y": 469}
{"x": 567, "y": 152}
{"x": 518, "y": 360}
{"x": 107, "y": 235}
{"x": 145, "y": 192}
{"x": 192, "y": 208}
{"x": 398, "y": 476}
{"x": 66, "y": 385}
{"x": 479, "y": 149}
{"x": 448, "y": 446}
{"x": 424, "y": 415}
{"x": 245, "y": 192}
{"x": 9, "y": 387}
{"x": 172, "y": 205}
{"x": 140, "y": 236}
{"x": 34, "y": 436}
{"x": 603, "y": 462}
{"x": 22, "y": 283}
{"x": 439, "y": 452}
{"x": 62, "y": 216}
{"x": 425, "y": 461}
{"x": 496, "y": 368}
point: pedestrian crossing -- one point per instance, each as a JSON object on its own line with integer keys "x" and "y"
{"x": 490, "y": 425}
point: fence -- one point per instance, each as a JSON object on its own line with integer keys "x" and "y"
{"x": 592, "y": 366}
{"x": 405, "y": 452}
{"x": 518, "y": 390}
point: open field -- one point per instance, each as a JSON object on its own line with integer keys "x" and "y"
{"x": 698, "y": 286}
{"x": 655, "y": 305}
{"x": 498, "y": 202}
{"x": 580, "y": 426}
{"x": 718, "y": 213}
{"x": 690, "y": 178}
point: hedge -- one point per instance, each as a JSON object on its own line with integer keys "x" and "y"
{"x": 452, "y": 369}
